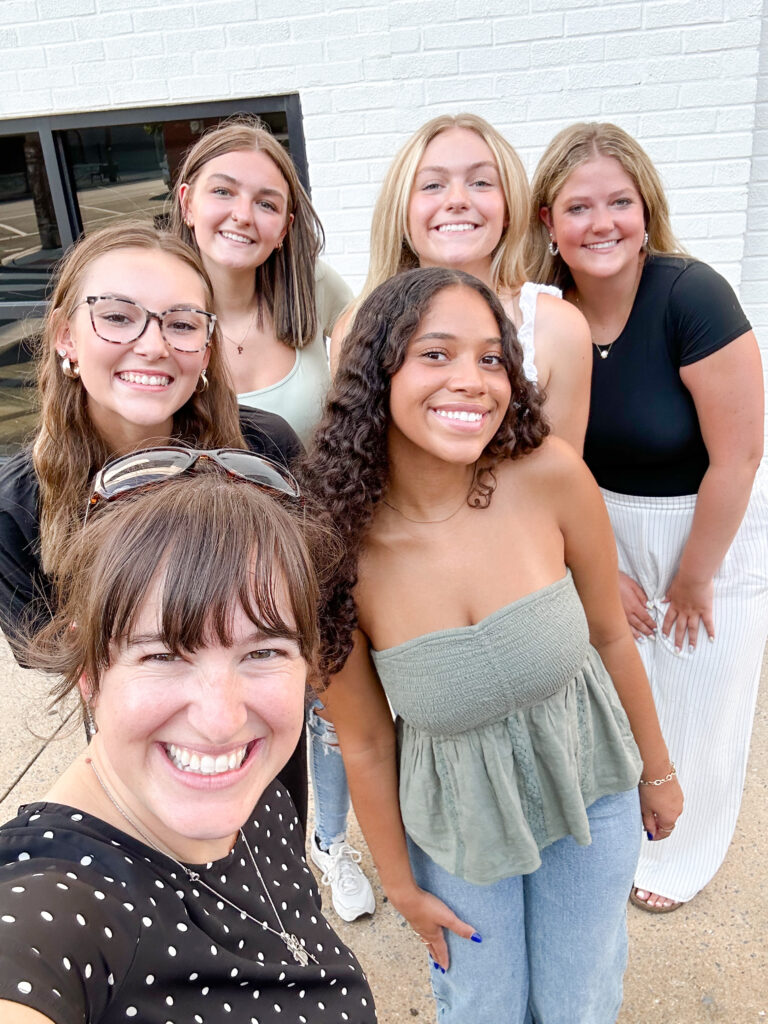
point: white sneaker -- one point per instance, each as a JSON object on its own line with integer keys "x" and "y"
{"x": 351, "y": 892}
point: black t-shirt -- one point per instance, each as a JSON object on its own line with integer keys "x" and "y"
{"x": 26, "y": 596}
{"x": 643, "y": 435}
{"x": 97, "y": 926}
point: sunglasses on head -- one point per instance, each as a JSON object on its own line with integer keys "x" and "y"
{"x": 155, "y": 465}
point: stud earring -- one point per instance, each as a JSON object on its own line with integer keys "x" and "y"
{"x": 553, "y": 247}
{"x": 202, "y": 384}
{"x": 69, "y": 369}
{"x": 279, "y": 246}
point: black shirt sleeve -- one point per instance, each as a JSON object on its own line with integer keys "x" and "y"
{"x": 268, "y": 434}
{"x": 25, "y": 592}
{"x": 704, "y": 312}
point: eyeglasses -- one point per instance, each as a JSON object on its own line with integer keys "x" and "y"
{"x": 155, "y": 465}
{"x": 123, "y": 321}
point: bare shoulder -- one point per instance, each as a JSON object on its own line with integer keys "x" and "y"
{"x": 559, "y": 322}
{"x": 17, "y": 1013}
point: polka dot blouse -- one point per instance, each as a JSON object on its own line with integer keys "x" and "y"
{"x": 95, "y": 926}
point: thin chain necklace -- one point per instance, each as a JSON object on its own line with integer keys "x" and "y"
{"x": 290, "y": 941}
{"x": 605, "y": 350}
{"x": 239, "y": 345}
{"x": 425, "y": 522}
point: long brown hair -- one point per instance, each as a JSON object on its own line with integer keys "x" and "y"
{"x": 571, "y": 148}
{"x": 67, "y": 448}
{"x": 347, "y": 469}
{"x": 285, "y": 282}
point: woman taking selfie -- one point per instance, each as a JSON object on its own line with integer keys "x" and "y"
{"x": 162, "y": 877}
{"x": 479, "y": 596}
{"x": 239, "y": 202}
{"x": 675, "y": 438}
{"x": 457, "y": 196}
{"x": 129, "y": 357}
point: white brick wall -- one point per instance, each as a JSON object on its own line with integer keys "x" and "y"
{"x": 689, "y": 78}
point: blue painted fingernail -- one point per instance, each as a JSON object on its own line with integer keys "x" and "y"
{"x": 476, "y": 937}
{"x": 435, "y": 964}
{"x": 649, "y": 836}
{"x": 442, "y": 969}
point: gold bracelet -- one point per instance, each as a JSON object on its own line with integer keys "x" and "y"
{"x": 660, "y": 782}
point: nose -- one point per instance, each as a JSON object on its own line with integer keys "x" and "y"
{"x": 241, "y": 210}
{"x": 152, "y": 345}
{"x": 602, "y": 219}
{"x": 456, "y": 195}
{"x": 467, "y": 376}
{"x": 217, "y": 710}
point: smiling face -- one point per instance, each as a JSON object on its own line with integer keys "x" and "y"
{"x": 188, "y": 742}
{"x": 452, "y": 391}
{"x": 238, "y": 209}
{"x": 457, "y": 211}
{"x": 134, "y": 390}
{"x": 598, "y": 220}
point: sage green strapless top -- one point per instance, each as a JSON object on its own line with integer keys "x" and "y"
{"x": 508, "y": 730}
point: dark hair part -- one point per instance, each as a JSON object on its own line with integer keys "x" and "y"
{"x": 209, "y": 543}
{"x": 347, "y": 469}
{"x": 286, "y": 279}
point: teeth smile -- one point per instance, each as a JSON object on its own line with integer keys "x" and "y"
{"x": 465, "y": 417}
{"x": 155, "y": 380}
{"x": 205, "y": 764}
{"x": 233, "y": 237}
{"x": 457, "y": 227}
{"x": 603, "y": 245}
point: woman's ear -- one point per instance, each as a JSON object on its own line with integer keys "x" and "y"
{"x": 64, "y": 343}
{"x": 546, "y": 216}
{"x": 184, "y": 191}
{"x": 287, "y": 226}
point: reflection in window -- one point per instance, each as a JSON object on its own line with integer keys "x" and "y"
{"x": 18, "y": 412}
{"x": 127, "y": 171}
{"x": 29, "y": 238}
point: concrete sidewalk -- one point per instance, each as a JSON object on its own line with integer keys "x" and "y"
{"x": 707, "y": 962}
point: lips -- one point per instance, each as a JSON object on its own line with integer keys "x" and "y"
{"x": 234, "y": 236}
{"x": 606, "y": 246}
{"x": 460, "y": 415}
{"x": 445, "y": 229}
{"x": 187, "y": 759}
{"x": 153, "y": 380}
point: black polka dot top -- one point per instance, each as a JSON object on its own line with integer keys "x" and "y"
{"x": 96, "y": 926}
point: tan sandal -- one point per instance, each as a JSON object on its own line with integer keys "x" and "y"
{"x": 636, "y": 901}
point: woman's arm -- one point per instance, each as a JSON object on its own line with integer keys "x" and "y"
{"x": 15, "y": 1013}
{"x": 590, "y": 553}
{"x": 727, "y": 389}
{"x": 563, "y": 348}
{"x": 358, "y": 708}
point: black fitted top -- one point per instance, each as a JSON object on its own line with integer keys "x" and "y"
{"x": 643, "y": 435}
{"x": 96, "y": 926}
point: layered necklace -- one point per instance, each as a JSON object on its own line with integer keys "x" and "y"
{"x": 290, "y": 941}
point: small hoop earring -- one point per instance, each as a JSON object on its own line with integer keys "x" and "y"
{"x": 279, "y": 246}
{"x": 645, "y": 240}
{"x": 202, "y": 384}
{"x": 70, "y": 370}
{"x": 90, "y": 721}
{"x": 553, "y": 247}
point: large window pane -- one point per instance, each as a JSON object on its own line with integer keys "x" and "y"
{"x": 29, "y": 238}
{"x": 127, "y": 171}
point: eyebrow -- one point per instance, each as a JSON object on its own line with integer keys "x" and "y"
{"x": 234, "y": 181}
{"x": 445, "y": 170}
{"x": 611, "y": 195}
{"x": 447, "y": 336}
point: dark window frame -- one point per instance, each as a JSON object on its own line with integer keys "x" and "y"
{"x": 51, "y": 129}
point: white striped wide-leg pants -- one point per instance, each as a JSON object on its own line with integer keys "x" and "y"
{"x": 705, "y": 699}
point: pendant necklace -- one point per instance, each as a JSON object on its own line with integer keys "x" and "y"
{"x": 240, "y": 345}
{"x": 290, "y": 941}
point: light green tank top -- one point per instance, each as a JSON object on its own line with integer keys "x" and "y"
{"x": 508, "y": 730}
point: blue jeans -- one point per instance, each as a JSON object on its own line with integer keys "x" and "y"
{"x": 329, "y": 780}
{"x": 554, "y": 946}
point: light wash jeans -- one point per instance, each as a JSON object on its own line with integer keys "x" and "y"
{"x": 554, "y": 946}
{"x": 329, "y": 780}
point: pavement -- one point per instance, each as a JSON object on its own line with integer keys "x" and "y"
{"x": 707, "y": 962}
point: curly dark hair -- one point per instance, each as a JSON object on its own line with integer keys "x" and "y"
{"x": 346, "y": 470}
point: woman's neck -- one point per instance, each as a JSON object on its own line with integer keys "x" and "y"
{"x": 481, "y": 269}
{"x": 121, "y": 437}
{"x": 234, "y": 291}
{"x": 605, "y": 300}
{"x": 425, "y": 489}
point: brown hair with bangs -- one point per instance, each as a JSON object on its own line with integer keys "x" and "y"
{"x": 209, "y": 543}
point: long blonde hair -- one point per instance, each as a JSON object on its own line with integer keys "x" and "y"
{"x": 391, "y": 245}
{"x": 68, "y": 449}
{"x": 571, "y": 148}
{"x": 285, "y": 282}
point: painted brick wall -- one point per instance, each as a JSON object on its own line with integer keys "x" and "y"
{"x": 684, "y": 76}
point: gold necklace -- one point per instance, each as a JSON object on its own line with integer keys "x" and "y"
{"x": 290, "y": 941}
{"x": 425, "y": 522}
{"x": 239, "y": 344}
